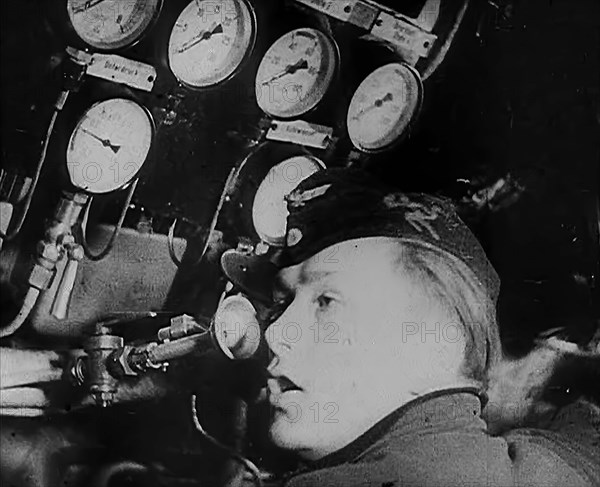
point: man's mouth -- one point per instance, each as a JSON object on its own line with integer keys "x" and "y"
{"x": 281, "y": 384}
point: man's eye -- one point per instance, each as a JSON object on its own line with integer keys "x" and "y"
{"x": 324, "y": 301}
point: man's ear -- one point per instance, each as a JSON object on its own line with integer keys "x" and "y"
{"x": 434, "y": 355}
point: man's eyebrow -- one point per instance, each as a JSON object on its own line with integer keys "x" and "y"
{"x": 306, "y": 277}
{"x": 280, "y": 284}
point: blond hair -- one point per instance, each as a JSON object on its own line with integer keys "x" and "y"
{"x": 455, "y": 287}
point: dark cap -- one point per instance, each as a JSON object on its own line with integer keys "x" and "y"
{"x": 340, "y": 204}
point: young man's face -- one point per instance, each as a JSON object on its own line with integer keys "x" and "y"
{"x": 340, "y": 363}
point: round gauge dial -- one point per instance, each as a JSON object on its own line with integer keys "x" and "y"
{"x": 269, "y": 211}
{"x": 235, "y": 327}
{"x": 109, "y": 145}
{"x": 383, "y": 106}
{"x": 111, "y": 24}
{"x": 295, "y": 73}
{"x": 210, "y": 40}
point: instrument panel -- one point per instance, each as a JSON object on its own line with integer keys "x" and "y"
{"x": 112, "y": 24}
{"x": 109, "y": 145}
{"x": 296, "y": 72}
{"x": 210, "y": 41}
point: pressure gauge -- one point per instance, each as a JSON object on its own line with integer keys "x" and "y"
{"x": 111, "y": 24}
{"x": 269, "y": 211}
{"x": 383, "y": 106}
{"x": 235, "y": 327}
{"x": 210, "y": 40}
{"x": 295, "y": 73}
{"x": 109, "y": 145}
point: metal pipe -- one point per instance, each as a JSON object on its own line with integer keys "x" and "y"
{"x": 25, "y": 367}
{"x": 23, "y": 397}
{"x": 28, "y": 304}
{"x": 22, "y": 412}
{"x": 179, "y": 348}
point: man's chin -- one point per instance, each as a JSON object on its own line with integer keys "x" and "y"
{"x": 285, "y": 433}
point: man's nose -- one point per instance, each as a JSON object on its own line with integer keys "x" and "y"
{"x": 285, "y": 332}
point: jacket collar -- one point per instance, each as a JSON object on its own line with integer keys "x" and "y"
{"x": 447, "y": 407}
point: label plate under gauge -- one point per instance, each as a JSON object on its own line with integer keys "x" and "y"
{"x": 351, "y": 11}
{"x": 414, "y": 41}
{"x": 122, "y": 70}
{"x": 301, "y": 132}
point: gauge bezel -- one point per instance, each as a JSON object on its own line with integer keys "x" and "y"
{"x": 253, "y": 169}
{"x": 268, "y": 239}
{"x": 319, "y": 101}
{"x": 149, "y": 153}
{"x": 245, "y": 59}
{"x": 218, "y": 332}
{"x": 419, "y": 88}
{"x": 118, "y": 47}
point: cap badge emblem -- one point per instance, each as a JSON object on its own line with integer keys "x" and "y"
{"x": 293, "y": 237}
{"x": 419, "y": 216}
{"x": 298, "y": 198}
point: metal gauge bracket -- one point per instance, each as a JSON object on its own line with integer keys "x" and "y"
{"x": 169, "y": 112}
{"x": 411, "y": 37}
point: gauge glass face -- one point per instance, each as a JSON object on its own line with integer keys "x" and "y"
{"x": 236, "y": 328}
{"x": 269, "y": 211}
{"x": 383, "y": 106}
{"x": 210, "y": 40}
{"x": 109, "y": 145}
{"x": 111, "y": 24}
{"x": 295, "y": 73}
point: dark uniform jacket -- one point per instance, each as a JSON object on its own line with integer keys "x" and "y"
{"x": 441, "y": 440}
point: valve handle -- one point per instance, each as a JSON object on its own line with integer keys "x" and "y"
{"x": 60, "y": 306}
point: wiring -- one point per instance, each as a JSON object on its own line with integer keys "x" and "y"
{"x": 213, "y": 223}
{"x": 83, "y": 230}
{"x": 170, "y": 241}
{"x": 232, "y": 178}
{"x": 38, "y": 171}
{"x": 253, "y": 469}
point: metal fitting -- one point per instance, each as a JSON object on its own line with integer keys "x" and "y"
{"x": 181, "y": 326}
{"x": 123, "y": 360}
{"x": 41, "y": 277}
{"x": 77, "y": 371}
{"x": 100, "y": 348}
{"x": 75, "y": 251}
{"x": 49, "y": 252}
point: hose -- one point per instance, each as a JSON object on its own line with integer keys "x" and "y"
{"x": 232, "y": 177}
{"x": 441, "y": 55}
{"x": 253, "y": 469}
{"x": 170, "y": 241}
{"x": 109, "y": 472}
{"x": 109, "y": 246}
{"x": 28, "y": 304}
{"x": 213, "y": 223}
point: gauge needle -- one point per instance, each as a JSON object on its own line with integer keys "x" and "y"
{"x": 105, "y": 142}
{"x": 376, "y": 104}
{"x": 290, "y": 69}
{"x": 86, "y": 6}
{"x": 201, "y": 37}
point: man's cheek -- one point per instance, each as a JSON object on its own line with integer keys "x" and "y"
{"x": 307, "y": 424}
